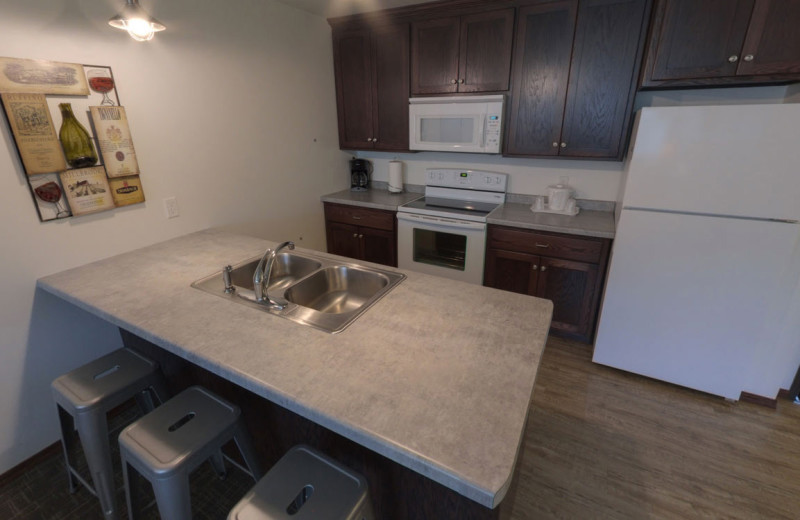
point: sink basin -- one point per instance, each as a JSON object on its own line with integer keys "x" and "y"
{"x": 337, "y": 290}
{"x": 286, "y": 270}
{"x": 323, "y": 293}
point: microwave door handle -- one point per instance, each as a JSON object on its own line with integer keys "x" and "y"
{"x": 483, "y": 132}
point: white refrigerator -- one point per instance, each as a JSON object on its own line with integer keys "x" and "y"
{"x": 706, "y": 260}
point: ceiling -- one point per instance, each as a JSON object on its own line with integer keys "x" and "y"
{"x": 332, "y": 8}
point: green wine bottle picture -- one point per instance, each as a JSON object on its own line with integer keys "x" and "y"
{"x": 78, "y": 148}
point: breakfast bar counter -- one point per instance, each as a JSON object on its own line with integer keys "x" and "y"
{"x": 437, "y": 376}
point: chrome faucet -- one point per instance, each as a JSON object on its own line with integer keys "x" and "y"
{"x": 261, "y": 278}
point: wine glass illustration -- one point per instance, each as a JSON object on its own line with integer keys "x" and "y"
{"x": 100, "y": 81}
{"x": 51, "y": 192}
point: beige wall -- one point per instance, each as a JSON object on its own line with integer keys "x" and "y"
{"x": 232, "y": 111}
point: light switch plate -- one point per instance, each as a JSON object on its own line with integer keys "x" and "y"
{"x": 171, "y": 207}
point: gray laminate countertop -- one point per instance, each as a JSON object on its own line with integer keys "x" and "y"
{"x": 372, "y": 198}
{"x": 586, "y": 223}
{"x": 437, "y": 375}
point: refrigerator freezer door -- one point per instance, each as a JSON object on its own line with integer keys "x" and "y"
{"x": 726, "y": 160}
{"x": 688, "y": 297}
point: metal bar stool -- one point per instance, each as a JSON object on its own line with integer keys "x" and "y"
{"x": 167, "y": 444}
{"x": 305, "y": 485}
{"x": 83, "y": 398}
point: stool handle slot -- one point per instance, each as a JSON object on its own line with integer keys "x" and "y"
{"x": 182, "y": 421}
{"x": 300, "y": 500}
{"x": 106, "y": 372}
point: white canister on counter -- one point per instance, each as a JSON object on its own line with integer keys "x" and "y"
{"x": 396, "y": 176}
{"x": 557, "y": 196}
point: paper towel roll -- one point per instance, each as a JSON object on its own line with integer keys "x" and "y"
{"x": 395, "y": 176}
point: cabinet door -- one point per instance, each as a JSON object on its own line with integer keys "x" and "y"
{"x": 352, "y": 59}
{"x": 570, "y": 285}
{"x": 485, "y": 51}
{"x": 390, "y": 88}
{"x": 700, "y": 39}
{"x": 378, "y": 246}
{"x": 343, "y": 240}
{"x": 511, "y": 271}
{"x": 772, "y": 45}
{"x": 434, "y": 56}
{"x": 540, "y": 74}
{"x": 602, "y": 80}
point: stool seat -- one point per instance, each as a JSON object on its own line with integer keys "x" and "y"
{"x": 167, "y": 444}
{"x": 305, "y": 485}
{"x": 83, "y": 398}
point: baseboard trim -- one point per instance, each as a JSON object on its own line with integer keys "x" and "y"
{"x": 760, "y": 400}
{"x": 785, "y": 394}
{"x": 29, "y": 463}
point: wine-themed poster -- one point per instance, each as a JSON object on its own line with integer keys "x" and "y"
{"x": 49, "y": 196}
{"x": 72, "y": 136}
{"x": 87, "y": 190}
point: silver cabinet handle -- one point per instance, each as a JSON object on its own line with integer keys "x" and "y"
{"x": 542, "y": 245}
{"x": 356, "y": 217}
{"x": 733, "y": 59}
{"x": 544, "y": 268}
{"x": 355, "y": 235}
{"x": 360, "y": 236}
{"x": 749, "y": 57}
{"x": 369, "y": 139}
{"x": 563, "y": 145}
{"x": 374, "y": 139}
{"x": 535, "y": 267}
{"x": 461, "y": 80}
{"x": 453, "y": 81}
{"x": 555, "y": 144}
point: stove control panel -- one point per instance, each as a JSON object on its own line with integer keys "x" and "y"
{"x": 466, "y": 179}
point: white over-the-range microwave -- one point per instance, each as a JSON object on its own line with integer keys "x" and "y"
{"x": 456, "y": 123}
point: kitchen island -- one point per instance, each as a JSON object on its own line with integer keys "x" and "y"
{"x": 437, "y": 376}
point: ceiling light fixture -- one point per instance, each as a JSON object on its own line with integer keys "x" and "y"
{"x": 140, "y": 25}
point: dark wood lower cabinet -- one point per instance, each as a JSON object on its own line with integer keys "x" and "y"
{"x": 563, "y": 268}
{"x": 396, "y": 491}
{"x": 361, "y": 233}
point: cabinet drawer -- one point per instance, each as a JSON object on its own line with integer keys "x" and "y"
{"x": 568, "y": 247}
{"x": 373, "y": 218}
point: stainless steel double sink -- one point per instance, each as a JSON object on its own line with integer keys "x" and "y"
{"x": 323, "y": 293}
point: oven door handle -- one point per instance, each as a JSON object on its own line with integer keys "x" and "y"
{"x": 441, "y": 221}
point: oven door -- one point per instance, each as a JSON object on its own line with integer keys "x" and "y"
{"x": 441, "y": 246}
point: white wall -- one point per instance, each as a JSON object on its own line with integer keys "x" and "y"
{"x": 232, "y": 111}
{"x": 598, "y": 180}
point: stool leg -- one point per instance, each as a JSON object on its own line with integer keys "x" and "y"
{"x": 132, "y": 482}
{"x": 93, "y": 431}
{"x": 173, "y": 497}
{"x": 245, "y": 445}
{"x": 159, "y": 388}
{"x": 218, "y": 463}
{"x": 67, "y": 425}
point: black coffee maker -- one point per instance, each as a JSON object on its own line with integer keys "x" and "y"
{"x": 359, "y": 174}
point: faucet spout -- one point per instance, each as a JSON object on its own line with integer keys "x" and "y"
{"x": 262, "y": 274}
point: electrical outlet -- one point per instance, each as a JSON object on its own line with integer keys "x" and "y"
{"x": 171, "y": 207}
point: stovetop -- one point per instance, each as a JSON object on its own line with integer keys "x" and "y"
{"x": 466, "y": 194}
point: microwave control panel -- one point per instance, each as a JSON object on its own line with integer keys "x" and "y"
{"x": 466, "y": 179}
{"x": 493, "y": 128}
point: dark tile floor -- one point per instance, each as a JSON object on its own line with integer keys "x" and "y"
{"x": 42, "y": 491}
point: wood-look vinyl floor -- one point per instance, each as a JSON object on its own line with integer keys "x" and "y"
{"x": 602, "y": 443}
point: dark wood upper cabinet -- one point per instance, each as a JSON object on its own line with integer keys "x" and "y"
{"x": 470, "y": 53}
{"x": 574, "y": 77}
{"x": 609, "y": 39}
{"x": 372, "y": 81}
{"x": 717, "y": 42}
{"x": 541, "y": 72}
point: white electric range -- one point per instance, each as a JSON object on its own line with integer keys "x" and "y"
{"x": 444, "y": 232}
